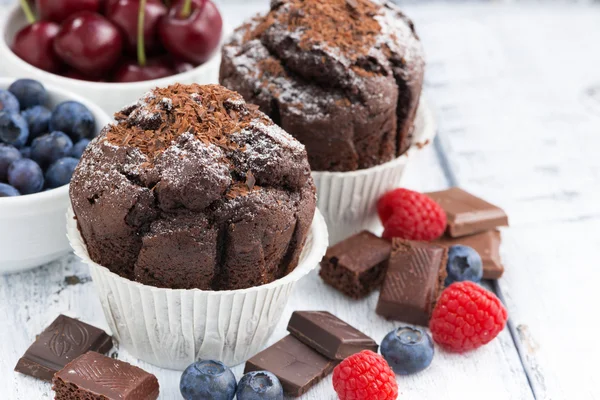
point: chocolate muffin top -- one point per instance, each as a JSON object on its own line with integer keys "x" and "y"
{"x": 342, "y": 76}
{"x": 194, "y": 188}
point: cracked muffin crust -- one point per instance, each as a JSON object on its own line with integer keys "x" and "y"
{"x": 343, "y": 76}
{"x": 194, "y": 188}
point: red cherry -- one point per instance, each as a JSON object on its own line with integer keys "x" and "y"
{"x": 34, "y": 45}
{"x": 74, "y": 74}
{"x": 89, "y": 43}
{"x": 124, "y": 14}
{"x": 194, "y": 38}
{"x": 60, "y": 10}
{"x": 130, "y": 71}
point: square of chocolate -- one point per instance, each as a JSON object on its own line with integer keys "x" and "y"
{"x": 356, "y": 265}
{"x": 60, "y": 343}
{"x": 413, "y": 282}
{"x": 487, "y": 244}
{"x": 329, "y": 335}
{"x": 296, "y": 365}
{"x": 94, "y": 376}
{"x": 468, "y": 214}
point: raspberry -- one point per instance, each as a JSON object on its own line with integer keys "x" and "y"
{"x": 410, "y": 215}
{"x": 365, "y": 376}
{"x": 466, "y": 317}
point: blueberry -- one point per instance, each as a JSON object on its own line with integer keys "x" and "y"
{"x": 38, "y": 120}
{"x": 259, "y": 385}
{"x": 408, "y": 350}
{"x": 74, "y": 119}
{"x": 79, "y": 148}
{"x": 50, "y": 147}
{"x": 26, "y": 176}
{"x": 8, "y": 154}
{"x": 464, "y": 264}
{"x": 60, "y": 173}
{"x": 8, "y": 102}
{"x": 25, "y": 152}
{"x": 13, "y": 129}
{"x": 29, "y": 93}
{"x": 8, "y": 191}
{"x": 210, "y": 380}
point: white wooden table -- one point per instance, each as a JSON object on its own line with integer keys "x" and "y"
{"x": 516, "y": 89}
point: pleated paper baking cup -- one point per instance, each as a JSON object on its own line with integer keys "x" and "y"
{"x": 348, "y": 200}
{"x": 172, "y": 328}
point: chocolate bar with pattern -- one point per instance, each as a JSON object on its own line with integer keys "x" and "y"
{"x": 414, "y": 280}
{"x": 62, "y": 342}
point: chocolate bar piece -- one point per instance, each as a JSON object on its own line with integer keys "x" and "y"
{"x": 414, "y": 280}
{"x": 297, "y": 366}
{"x": 94, "y": 376}
{"x": 356, "y": 265}
{"x": 62, "y": 342}
{"x": 468, "y": 214}
{"x": 487, "y": 244}
{"x": 329, "y": 335}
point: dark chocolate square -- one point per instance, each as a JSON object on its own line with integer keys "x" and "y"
{"x": 296, "y": 365}
{"x": 94, "y": 376}
{"x": 413, "y": 282}
{"x": 468, "y": 214}
{"x": 62, "y": 342}
{"x": 329, "y": 335}
{"x": 356, "y": 265}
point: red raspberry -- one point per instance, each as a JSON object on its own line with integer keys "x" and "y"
{"x": 411, "y": 215}
{"x": 365, "y": 376}
{"x": 466, "y": 317}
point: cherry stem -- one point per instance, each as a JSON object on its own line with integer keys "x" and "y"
{"x": 141, "y": 51}
{"x": 27, "y": 11}
{"x": 186, "y": 10}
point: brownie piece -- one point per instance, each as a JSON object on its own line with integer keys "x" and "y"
{"x": 93, "y": 376}
{"x": 487, "y": 244}
{"x": 356, "y": 266}
{"x": 413, "y": 282}
{"x": 194, "y": 188}
{"x": 343, "y": 77}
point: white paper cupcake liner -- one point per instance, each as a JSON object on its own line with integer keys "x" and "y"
{"x": 348, "y": 200}
{"x": 172, "y": 328}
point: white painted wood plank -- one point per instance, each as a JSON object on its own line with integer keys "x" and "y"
{"x": 520, "y": 126}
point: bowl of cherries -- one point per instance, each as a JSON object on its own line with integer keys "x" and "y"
{"x": 44, "y": 130}
{"x": 112, "y": 51}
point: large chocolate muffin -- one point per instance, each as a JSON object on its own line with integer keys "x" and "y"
{"x": 193, "y": 188}
{"x": 342, "y": 76}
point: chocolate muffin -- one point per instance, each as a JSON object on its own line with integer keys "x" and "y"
{"x": 342, "y": 76}
{"x": 194, "y": 188}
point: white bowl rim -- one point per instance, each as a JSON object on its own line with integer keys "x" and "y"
{"x": 319, "y": 240}
{"x": 5, "y": 48}
{"x": 427, "y": 134}
{"x": 59, "y": 191}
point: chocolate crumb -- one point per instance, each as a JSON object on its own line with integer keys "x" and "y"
{"x": 250, "y": 180}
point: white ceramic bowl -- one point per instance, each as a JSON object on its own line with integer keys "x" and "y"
{"x": 32, "y": 227}
{"x": 172, "y": 328}
{"x": 109, "y": 96}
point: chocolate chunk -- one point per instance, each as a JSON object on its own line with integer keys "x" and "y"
{"x": 60, "y": 343}
{"x": 356, "y": 265}
{"x": 487, "y": 244}
{"x": 413, "y": 282}
{"x": 297, "y": 366}
{"x": 329, "y": 335}
{"x": 94, "y": 376}
{"x": 468, "y": 214}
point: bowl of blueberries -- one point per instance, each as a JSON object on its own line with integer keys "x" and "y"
{"x": 43, "y": 132}
{"x": 95, "y": 48}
